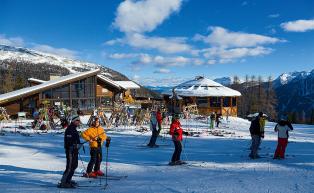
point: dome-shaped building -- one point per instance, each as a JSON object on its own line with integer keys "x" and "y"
{"x": 208, "y": 95}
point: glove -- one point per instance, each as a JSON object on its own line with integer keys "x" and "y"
{"x": 108, "y": 141}
{"x": 262, "y": 135}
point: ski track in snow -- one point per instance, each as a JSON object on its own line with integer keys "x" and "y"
{"x": 218, "y": 164}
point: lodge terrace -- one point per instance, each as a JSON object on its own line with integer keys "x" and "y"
{"x": 84, "y": 90}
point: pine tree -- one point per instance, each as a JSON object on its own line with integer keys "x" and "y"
{"x": 8, "y": 84}
{"x": 19, "y": 82}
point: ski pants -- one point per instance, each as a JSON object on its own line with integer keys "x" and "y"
{"x": 177, "y": 151}
{"x": 72, "y": 162}
{"x": 153, "y": 138}
{"x": 281, "y": 148}
{"x": 95, "y": 159}
{"x": 256, "y": 141}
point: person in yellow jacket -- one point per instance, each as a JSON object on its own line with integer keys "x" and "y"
{"x": 96, "y": 137}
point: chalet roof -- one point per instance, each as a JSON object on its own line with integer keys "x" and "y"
{"x": 109, "y": 81}
{"x": 45, "y": 85}
{"x": 35, "y": 80}
{"x": 128, "y": 84}
{"x": 202, "y": 87}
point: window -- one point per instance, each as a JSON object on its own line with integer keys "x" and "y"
{"x": 234, "y": 101}
{"x": 215, "y": 101}
{"x": 226, "y": 102}
{"x": 202, "y": 102}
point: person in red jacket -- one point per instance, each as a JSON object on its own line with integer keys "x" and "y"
{"x": 176, "y": 132}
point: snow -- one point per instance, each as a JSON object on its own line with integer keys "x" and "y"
{"x": 128, "y": 84}
{"x": 33, "y": 56}
{"x": 202, "y": 87}
{"x": 216, "y": 163}
{"x": 44, "y": 85}
{"x": 109, "y": 81}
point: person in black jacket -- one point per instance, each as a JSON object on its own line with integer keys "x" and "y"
{"x": 71, "y": 145}
{"x": 256, "y": 133}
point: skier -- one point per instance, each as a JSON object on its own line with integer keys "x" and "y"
{"x": 256, "y": 134}
{"x": 212, "y": 120}
{"x": 96, "y": 137}
{"x": 72, "y": 145}
{"x": 283, "y": 127}
{"x": 159, "y": 120}
{"x": 218, "y": 117}
{"x": 153, "y": 128}
{"x": 176, "y": 132}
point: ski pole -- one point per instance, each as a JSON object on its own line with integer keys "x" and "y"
{"x": 107, "y": 152}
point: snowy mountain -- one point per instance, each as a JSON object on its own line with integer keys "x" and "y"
{"x": 286, "y": 78}
{"x": 226, "y": 81}
{"x": 18, "y": 56}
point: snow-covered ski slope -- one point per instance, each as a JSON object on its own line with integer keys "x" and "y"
{"x": 215, "y": 163}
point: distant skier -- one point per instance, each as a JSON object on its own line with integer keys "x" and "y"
{"x": 176, "y": 132}
{"x": 159, "y": 120}
{"x": 283, "y": 127}
{"x": 218, "y": 118}
{"x": 96, "y": 137}
{"x": 72, "y": 145}
{"x": 212, "y": 120}
{"x": 153, "y": 128}
{"x": 256, "y": 134}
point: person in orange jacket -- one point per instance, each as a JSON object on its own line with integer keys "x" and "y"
{"x": 96, "y": 137}
{"x": 176, "y": 132}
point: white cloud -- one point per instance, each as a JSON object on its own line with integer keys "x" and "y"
{"x": 211, "y": 62}
{"x": 235, "y": 53}
{"x": 122, "y": 56}
{"x": 11, "y": 41}
{"x": 154, "y": 81}
{"x": 276, "y": 15}
{"x": 162, "y": 71}
{"x": 221, "y": 37}
{"x": 114, "y": 42}
{"x": 164, "y": 45}
{"x": 145, "y": 15}
{"x": 58, "y": 51}
{"x": 298, "y": 25}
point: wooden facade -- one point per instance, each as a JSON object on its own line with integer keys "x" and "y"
{"x": 226, "y": 106}
{"x": 85, "y": 92}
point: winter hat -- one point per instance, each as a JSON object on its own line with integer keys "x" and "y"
{"x": 75, "y": 118}
{"x": 260, "y": 114}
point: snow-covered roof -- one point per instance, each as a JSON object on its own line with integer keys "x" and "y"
{"x": 109, "y": 81}
{"x": 36, "y": 80}
{"x": 202, "y": 87}
{"x": 128, "y": 84}
{"x": 35, "y": 89}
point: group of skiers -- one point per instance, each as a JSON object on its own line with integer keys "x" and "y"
{"x": 257, "y": 131}
{"x": 214, "y": 118}
{"x": 96, "y": 136}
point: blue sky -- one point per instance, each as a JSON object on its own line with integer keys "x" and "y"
{"x": 163, "y": 42}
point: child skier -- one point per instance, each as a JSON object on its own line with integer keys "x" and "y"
{"x": 283, "y": 127}
{"x": 96, "y": 137}
{"x": 176, "y": 132}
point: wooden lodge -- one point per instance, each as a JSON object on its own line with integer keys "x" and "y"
{"x": 209, "y": 96}
{"x": 84, "y": 90}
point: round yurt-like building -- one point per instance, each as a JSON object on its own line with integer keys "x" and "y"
{"x": 208, "y": 95}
